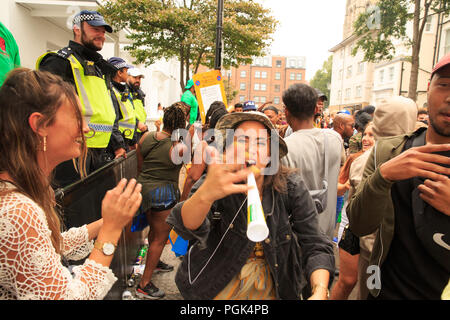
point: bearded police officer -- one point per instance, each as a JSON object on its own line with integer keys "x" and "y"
{"x": 80, "y": 64}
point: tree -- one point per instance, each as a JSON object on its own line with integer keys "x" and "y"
{"x": 379, "y": 26}
{"x": 322, "y": 78}
{"x": 186, "y": 29}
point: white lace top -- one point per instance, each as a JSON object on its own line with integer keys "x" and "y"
{"x": 30, "y": 268}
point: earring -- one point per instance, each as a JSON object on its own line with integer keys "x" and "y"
{"x": 45, "y": 143}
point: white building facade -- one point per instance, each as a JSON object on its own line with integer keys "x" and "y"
{"x": 356, "y": 83}
{"x": 45, "y": 25}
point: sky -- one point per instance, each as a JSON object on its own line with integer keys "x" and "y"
{"x": 307, "y": 28}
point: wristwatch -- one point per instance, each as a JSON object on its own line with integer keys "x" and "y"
{"x": 107, "y": 248}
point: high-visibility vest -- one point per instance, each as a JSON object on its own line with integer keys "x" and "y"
{"x": 96, "y": 104}
{"x": 139, "y": 108}
{"x": 128, "y": 122}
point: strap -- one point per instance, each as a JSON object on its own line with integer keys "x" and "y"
{"x": 420, "y": 139}
{"x": 326, "y": 160}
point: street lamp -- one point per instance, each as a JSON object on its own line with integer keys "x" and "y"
{"x": 219, "y": 28}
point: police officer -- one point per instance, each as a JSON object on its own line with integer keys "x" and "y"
{"x": 80, "y": 64}
{"x": 123, "y": 102}
{"x": 135, "y": 77}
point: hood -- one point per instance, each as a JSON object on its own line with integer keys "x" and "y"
{"x": 394, "y": 116}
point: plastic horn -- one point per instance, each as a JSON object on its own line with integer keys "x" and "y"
{"x": 257, "y": 229}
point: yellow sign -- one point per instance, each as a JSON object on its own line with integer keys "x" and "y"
{"x": 208, "y": 89}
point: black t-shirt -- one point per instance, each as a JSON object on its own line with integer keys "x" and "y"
{"x": 417, "y": 266}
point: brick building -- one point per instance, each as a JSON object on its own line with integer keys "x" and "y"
{"x": 266, "y": 79}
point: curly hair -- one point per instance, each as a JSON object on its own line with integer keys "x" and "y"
{"x": 174, "y": 118}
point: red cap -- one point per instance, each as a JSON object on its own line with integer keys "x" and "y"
{"x": 445, "y": 61}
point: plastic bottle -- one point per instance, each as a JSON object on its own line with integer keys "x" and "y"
{"x": 141, "y": 254}
{"x": 127, "y": 295}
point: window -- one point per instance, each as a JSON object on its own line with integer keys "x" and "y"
{"x": 348, "y": 93}
{"x": 292, "y": 76}
{"x": 381, "y": 76}
{"x": 256, "y": 99}
{"x": 447, "y": 42}
{"x": 349, "y": 71}
{"x": 241, "y": 98}
{"x": 257, "y": 74}
{"x": 358, "y": 92}
{"x": 299, "y": 76}
{"x": 292, "y": 63}
{"x": 259, "y": 61}
{"x": 256, "y": 87}
{"x": 243, "y": 74}
{"x": 263, "y": 99}
{"x": 278, "y": 63}
{"x": 242, "y": 87}
{"x": 391, "y": 73}
{"x": 276, "y": 100}
{"x": 264, "y": 74}
{"x": 360, "y": 67}
{"x": 277, "y": 88}
{"x": 263, "y": 87}
{"x": 428, "y": 23}
{"x": 277, "y": 75}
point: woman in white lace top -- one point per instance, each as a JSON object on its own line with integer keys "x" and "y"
{"x": 42, "y": 126}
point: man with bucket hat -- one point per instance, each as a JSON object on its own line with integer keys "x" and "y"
{"x": 81, "y": 65}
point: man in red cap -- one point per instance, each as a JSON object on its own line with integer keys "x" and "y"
{"x": 405, "y": 195}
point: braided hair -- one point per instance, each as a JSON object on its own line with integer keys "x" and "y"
{"x": 174, "y": 118}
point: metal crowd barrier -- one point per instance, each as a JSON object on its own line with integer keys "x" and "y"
{"x": 81, "y": 204}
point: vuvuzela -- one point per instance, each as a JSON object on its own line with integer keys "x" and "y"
{"x": 257, "y": 229}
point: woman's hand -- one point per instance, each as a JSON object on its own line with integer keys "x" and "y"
{"x": 223, "y": 179}
{"x": 120, "y": 204}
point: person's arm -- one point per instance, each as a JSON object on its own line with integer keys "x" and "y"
{"x": 77, "y": 242}
{"x": 117, "y": 142}
{"x": 196, "y": 170}
{"x": 319, "y": 285}
{"x": 36, "y": 268}
{"x": 317, "y": 249}
{"x": 59, "y": 66}
{"x": 139, "y": 156}
{"x": 366, "y": 208}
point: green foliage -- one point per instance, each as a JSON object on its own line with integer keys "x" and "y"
{"x": 186, "y": 29}
{"x": 376, "y": 41}
{"x": 322, "y": 78}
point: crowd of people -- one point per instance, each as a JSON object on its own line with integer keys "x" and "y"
{"x": 373, "y": 182}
